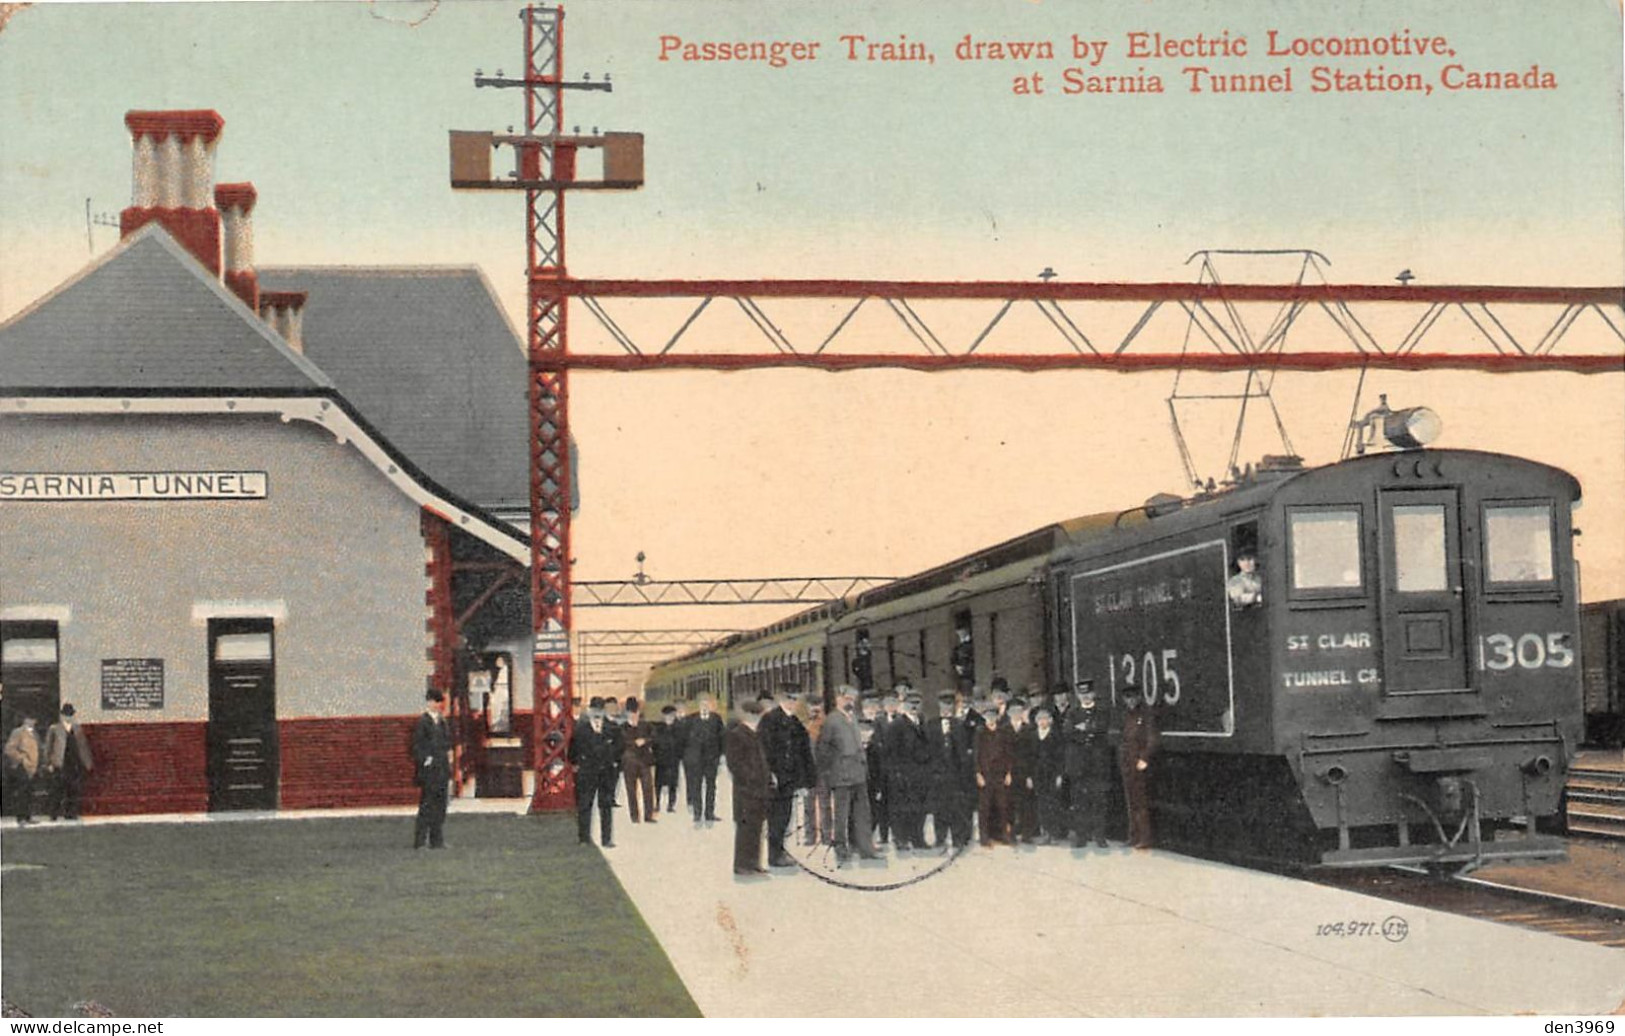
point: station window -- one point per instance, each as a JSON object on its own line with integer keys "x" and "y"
{"x": 1325, "y": 546}
{"x": 924, "y": 666}
{"x": 993, "y": 641}
{"x": 1518, "y": 543}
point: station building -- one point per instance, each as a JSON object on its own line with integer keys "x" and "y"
{"x": 248, "y": 515}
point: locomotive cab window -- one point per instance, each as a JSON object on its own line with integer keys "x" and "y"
{"x": 1518, "y": 545}
{"x": 1419, "y": 548}
{"x": 1324, "y": 546}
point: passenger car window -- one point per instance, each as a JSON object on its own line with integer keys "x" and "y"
{"x": 1325, "y": 548}
{"x": 1518, "y": 543}
{"x": 1419, "y": 548}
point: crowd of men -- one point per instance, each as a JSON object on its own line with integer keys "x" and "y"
{"x": 988, "y": 771}
{"x": 611, "y": 743}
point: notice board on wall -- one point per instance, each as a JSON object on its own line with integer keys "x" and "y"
{"x": 132, "y": 683}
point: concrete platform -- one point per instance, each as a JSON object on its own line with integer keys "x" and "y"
{"x": 1056, "y": 931}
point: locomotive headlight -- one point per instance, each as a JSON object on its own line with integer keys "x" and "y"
{"x": 1411, "y": 428}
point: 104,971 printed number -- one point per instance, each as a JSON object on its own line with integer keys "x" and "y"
{"x": 1394, "y": 929}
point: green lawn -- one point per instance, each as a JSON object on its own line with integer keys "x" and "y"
{"x": 325, "y": 917}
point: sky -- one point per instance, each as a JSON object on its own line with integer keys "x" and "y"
{"x": 338, "y": 112}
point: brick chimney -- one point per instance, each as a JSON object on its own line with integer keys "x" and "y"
{"x": 173, "y": 179}
{"x": 284, "y": 311}
{"x": 236, "y": 204}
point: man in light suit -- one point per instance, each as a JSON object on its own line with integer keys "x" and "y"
{"x": 841, "y": 759}
{"x": 431, "y": 759}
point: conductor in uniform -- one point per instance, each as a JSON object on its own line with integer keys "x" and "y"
{"x": 431, "y": 761}
{"x": 1134, "y": 755}
{"x": 1088, "y": 769}
{"x": 595, "y": 749}
{"x": 752, "y": 788}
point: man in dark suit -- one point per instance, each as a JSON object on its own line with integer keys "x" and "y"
{"x": 1088, "y": 770}
{"x": 908, "y": 752}
{"x": 1061, "y": 711}
{"x": 594, "y": 752}
{"x": 67, "y": 759}
{"x": 702, "y": 753}
{"x": 993, "y": 765}
{"x": 948, "y": 801}
{"x": 431, "y": 762}
{"x": 778, "y": 745}
{"x": 668, "y": 747}
{"x": 752, "y": 788}
{"x": 967, "y": 724}
{"x": 1134, "y": 755}
{"x": 638, "y": 762}
{"x": 1048, "y": 773}
{"x": 1023, "y": 774}
{"x": 874, "y": 756}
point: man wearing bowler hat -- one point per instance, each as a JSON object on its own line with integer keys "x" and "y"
{"x": 752, "y": 788}
{"x": 594, "y": 752}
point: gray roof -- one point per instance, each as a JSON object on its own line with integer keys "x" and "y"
{"x": 147, "y": 317}
{"x": 428, "y": 358}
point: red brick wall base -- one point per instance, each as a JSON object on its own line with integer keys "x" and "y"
{"x": 344, "y": 761}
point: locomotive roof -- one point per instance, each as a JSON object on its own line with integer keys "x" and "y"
{"x": 1203, "y": 510}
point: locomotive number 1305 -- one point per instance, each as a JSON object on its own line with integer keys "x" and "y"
{"x": 1152, "y": 673}
{"x": 1502, "y": 651}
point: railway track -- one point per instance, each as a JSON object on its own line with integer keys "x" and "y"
{"x": 1596, "y": 801}
{"x": 1471, "y": 896}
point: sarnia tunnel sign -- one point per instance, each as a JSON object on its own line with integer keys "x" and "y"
{"x": 132, "y": 485}
{"x": 1160, "y": 624}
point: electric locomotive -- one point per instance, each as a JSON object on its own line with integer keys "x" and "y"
{"x": 1367, "y": 663}
{"x": 1372, "y": 662}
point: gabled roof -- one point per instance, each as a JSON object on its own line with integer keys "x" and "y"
{"x": 428, "y": 356}
{"x": 147, "y": 317}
